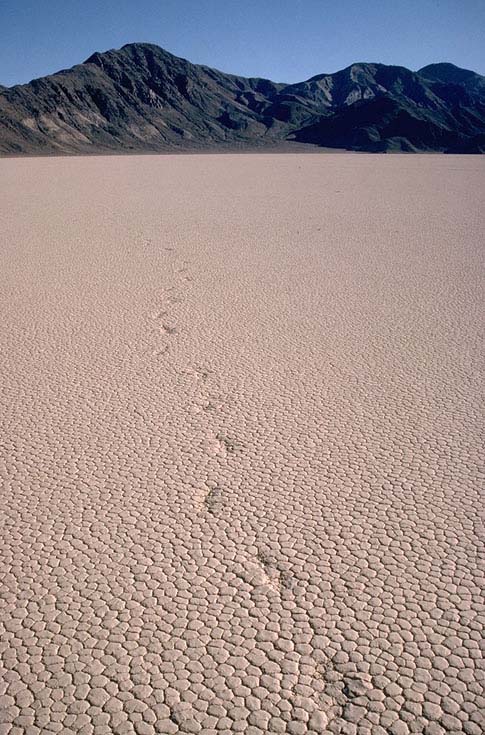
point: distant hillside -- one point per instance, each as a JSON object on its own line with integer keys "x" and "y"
{"x": 142, "y": 98}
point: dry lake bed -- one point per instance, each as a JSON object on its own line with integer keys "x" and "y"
{"x": 242, "y": 444}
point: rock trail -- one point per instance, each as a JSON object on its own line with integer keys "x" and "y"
{"x": 241, "y": 456}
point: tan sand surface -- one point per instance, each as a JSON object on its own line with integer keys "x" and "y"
{"x": 241, "y": 437}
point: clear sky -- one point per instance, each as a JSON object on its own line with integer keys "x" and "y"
{"x": 284, "y": 40}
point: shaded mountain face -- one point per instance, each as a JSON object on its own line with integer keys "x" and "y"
{"x": 410, "y": 115}
{"x": 142, "y": 98}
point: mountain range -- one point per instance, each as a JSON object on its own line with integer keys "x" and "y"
{"x": 141, "y": 98}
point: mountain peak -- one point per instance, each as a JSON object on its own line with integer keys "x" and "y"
{"x": 446, "y": 72}
{"x": 131, "y": 49}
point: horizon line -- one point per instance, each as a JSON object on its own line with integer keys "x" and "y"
{"x": 230, "y": 73}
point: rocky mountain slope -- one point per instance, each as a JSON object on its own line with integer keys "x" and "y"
{"x": 142, "y": 98}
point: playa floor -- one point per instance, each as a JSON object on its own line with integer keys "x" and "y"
{"x": 242, "y": 424}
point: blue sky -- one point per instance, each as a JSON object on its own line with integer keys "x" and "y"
{"x": 280, "y": 39}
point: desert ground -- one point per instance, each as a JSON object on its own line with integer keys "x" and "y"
{"x": 242, "y": 444}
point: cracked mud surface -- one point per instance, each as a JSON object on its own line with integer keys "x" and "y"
{"x": 242, "y": 439}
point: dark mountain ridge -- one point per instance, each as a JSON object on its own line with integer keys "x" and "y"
{"x": 142, "y": 98}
